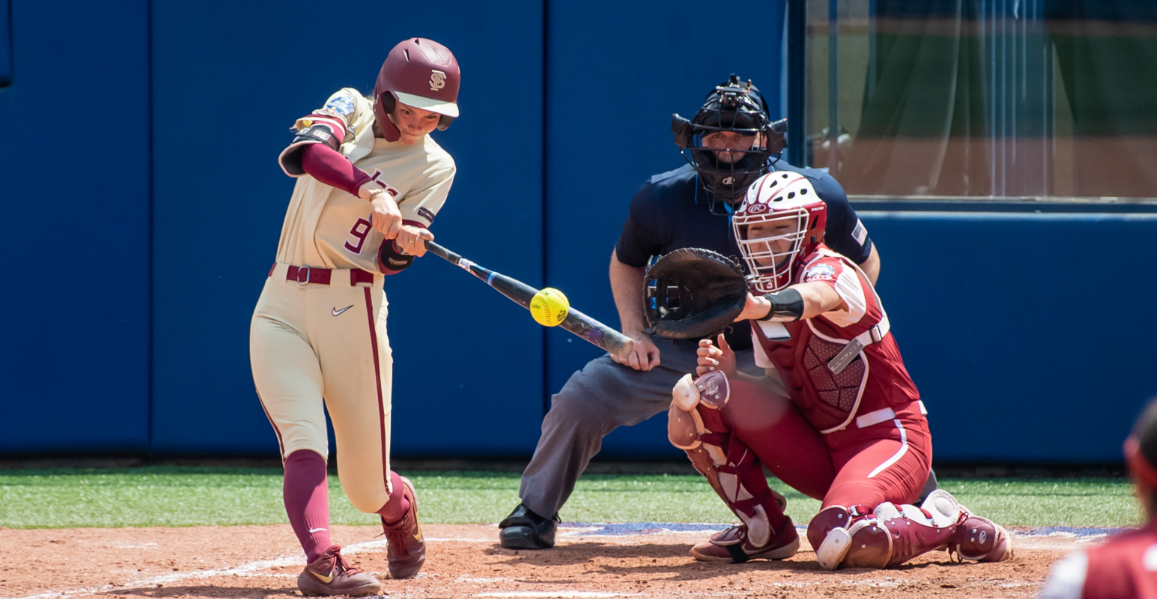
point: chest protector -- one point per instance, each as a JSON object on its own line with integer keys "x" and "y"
{"x": 824, "y": 367}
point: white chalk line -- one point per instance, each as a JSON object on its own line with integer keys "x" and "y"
{"x": 242, "y": 570}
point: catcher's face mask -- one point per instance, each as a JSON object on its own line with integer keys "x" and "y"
{"x": 730, "y": 141}
{"x": 780, "y": 222}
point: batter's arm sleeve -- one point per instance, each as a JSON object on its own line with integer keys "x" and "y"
{"x": 844, "y": 233}
{"x": 330, "y": 167}
{"x": 327, "y": 125}
{"x": 643, "y": 234}
{"x": 420, "y": 206}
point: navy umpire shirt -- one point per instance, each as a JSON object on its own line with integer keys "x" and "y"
{"x": 671, "y": 211}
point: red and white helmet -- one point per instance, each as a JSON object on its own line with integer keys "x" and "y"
{"x": 785, "y": 205}
{"x": 421, "y": 73}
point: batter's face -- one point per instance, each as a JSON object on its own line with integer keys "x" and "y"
{"x": 729, "y": 140}
{"x": 781, "y": 239}
{"x": 414, "y": 123}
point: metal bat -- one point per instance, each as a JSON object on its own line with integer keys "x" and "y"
{"x": 576, "y": 322}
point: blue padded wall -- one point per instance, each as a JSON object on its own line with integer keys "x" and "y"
{"x": 75, "y": 232}
{"x": 1028, "y": 335}
{"x": 229, "y": 80}
{"x": 616, "y": 72}
{"x": 1000, "y": 317}
{"x": 5, "y": 45}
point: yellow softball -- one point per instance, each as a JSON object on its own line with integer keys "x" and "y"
{"x": 549, "y": 307}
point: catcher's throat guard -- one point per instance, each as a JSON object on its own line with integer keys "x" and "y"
{"x": 693, "y": 293}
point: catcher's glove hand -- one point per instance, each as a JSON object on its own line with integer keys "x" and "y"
{"x": 696, "y": 293}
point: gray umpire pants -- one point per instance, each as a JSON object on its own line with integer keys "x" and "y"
{"x": 595, "y": 401}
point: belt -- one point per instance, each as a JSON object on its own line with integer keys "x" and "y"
{"x": 321, "y": 276}
{"x": 884, "y": 415}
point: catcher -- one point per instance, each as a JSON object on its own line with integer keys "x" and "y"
{"x": 852, "y": 430}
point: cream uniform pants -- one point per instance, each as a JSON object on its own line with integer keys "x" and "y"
{"x": 312, "y": 344}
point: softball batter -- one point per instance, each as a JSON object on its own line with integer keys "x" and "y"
{"x": 369, "y": 183}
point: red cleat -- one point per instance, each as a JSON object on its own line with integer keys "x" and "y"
{"x": 406, "y": 550}
{"x": 330, "y": 574}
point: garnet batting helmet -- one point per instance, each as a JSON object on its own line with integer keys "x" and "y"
{"x": 1141, "y": 449}
{"x": 421, "y": 73}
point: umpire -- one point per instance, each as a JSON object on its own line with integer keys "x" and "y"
{"x": 728, "y": 144}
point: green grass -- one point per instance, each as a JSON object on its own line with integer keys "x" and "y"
{"x": 188, "y": 496}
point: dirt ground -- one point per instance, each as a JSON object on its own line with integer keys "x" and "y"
{"x": 645, "y": 561}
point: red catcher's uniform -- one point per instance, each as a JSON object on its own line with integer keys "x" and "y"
{"x": 844, "y": 374}
{"x": 1123, "y": 568}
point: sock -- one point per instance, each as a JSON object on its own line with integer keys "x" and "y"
{"x": 306, "y": 497}
{"x": 396, "y": 508}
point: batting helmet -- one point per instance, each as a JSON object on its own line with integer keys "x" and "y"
{"x": 421, "y": 73}
{"x": 735, "y": 107}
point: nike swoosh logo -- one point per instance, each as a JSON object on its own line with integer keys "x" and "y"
{"x": 418, "y": 534}
{"x": 337, "y": 312}
{"x": 325, "y": 579}
{"x": 313, "y": 530}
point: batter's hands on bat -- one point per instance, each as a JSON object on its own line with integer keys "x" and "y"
{"x": 713, "y": 358}
{"x": 413, "y": 240}
{"x": 644, "y": 357}
{"x": 385, "y": 218}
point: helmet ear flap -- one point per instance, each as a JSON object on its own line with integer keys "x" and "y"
{"x": 389, "y": 103}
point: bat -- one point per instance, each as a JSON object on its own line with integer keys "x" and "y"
{"x": 576, "y": 322}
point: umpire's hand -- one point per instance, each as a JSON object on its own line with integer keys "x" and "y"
{"x": 646, "y": 353}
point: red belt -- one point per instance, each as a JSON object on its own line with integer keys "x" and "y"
{"x": 321, "y": 276}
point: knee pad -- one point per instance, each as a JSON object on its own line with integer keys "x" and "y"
{"x": 711, "y": 390}
{"x": 828, "y": 534}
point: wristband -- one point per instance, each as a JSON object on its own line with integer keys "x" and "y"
{"x": 786, "y": 306}
{"x": 393, "y": 258}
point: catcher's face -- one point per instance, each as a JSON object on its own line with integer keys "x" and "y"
{"x": 729, "y": 146}
{"x": 413, "y": 123}
{"x": 779, "y": 239}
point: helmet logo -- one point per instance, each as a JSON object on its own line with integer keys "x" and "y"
{"x": 437, "y": 80}
{"x": 728, "y": 180}
{"x": 757, "y": 208}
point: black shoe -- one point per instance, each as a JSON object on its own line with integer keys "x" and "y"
{"x": 524, "y": 529}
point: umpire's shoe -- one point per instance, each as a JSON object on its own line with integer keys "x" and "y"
{"x": 406, "y": 549}
{"x": 524, "y": 529}
{"x": 330, "y": 574}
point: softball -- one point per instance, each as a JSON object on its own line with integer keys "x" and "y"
{"x": 549, "y": 307}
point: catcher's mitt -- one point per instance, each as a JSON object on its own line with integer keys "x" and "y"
{"x": 696, "y": 293}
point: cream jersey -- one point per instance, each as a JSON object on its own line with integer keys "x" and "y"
{"x": 326, "y": 227}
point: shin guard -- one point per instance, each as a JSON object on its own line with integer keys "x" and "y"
{"x": 890, "y": 535}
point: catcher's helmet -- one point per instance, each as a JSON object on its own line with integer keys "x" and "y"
{"x": 735, "y": 107}
{"x": 792, "y": 218}
{"x": 421, "y": 73}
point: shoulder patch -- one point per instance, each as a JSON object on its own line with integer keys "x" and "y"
{"x": 860, "y": 234}
{"x": 820, "y": 272}
{"x": 341, "y": 104}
